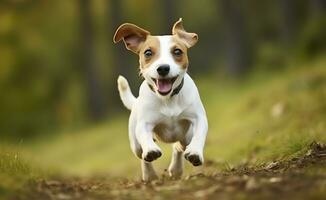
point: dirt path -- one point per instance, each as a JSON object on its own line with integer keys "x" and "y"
{"x": 299, "y": 178}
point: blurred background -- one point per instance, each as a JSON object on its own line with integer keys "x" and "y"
{"x": 58, "y": 71}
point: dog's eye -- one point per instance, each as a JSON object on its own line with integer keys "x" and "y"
{"x": 148, "y": 53}
{"x": 177, "y": 52}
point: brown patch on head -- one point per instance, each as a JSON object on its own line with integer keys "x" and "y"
{"x": 183, "y": 40}
{"x": 151, "y": 44}
{"x": 177, "y": 46}
{"x": 132, "y": 35}
{"x": 139, "y": 41}
{"x": 189, "y": 39}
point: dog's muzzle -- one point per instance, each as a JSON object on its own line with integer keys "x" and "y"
{"x": 164, "y": 86}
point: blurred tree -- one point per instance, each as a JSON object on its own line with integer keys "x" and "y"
{"x": 169, "y": 9}
{"x": 95, "y": 99}
{"x": 119, "y": 62}
{"x": 318, "y": 7}
{"x": 311, "y": 42}
{"x": 238, "y": 50}
{"x": 288, "y": 20}
{"x": 56, "y": 71}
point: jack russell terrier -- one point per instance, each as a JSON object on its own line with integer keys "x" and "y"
{"x": 168, "y": 107}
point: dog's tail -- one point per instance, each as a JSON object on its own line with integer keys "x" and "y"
{"x": 128, "y": 99}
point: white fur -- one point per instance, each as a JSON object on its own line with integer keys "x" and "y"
{"x": 151, "y": 109}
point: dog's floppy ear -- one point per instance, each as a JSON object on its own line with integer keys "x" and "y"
{"x": 131, "y": 35}
{"x": 190, "y": 39}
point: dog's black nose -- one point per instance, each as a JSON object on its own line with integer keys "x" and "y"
{"x": 163, "y": 70}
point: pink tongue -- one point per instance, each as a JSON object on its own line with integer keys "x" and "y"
{"x": 164, "y": 86}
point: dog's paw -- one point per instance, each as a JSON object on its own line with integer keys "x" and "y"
{"x": 195, "y": 158}
{"x": 151, "y": 155}
{"x": 149, "y": 176}
{"x": 175, "y": 171}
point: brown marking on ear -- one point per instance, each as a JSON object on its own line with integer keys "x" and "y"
{"x": 131, "y": 35}
{"x": 190, "y": 39}
{"x": 152, "y": 43}
{"x": 182, "y": 60}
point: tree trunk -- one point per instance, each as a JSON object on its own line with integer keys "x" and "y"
{"x": 120, "y": 66}
{"x": 169, "y": 8}
{"x": 120, "y": 55}
{"x": 288, "y": 22}
{"x": 318, "y": 7}
{"x": 95, "y": 101}
{"x": 238, "y": 51}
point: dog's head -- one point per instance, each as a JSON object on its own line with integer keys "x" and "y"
{"x": 163, "y": 59}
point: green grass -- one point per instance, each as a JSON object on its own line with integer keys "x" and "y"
{"x": 267, "y": 116}
{"x": 14, "y": 171}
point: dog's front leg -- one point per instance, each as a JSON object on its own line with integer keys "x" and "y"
{"x": 194, "y": 150}
{"x": 148, "y": 172}
{"x": 144, "y": 134}
{"x": 150, "y": 150}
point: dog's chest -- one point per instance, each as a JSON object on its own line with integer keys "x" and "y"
{"x": 171, "y": 110}
{"x": 172, "y": 125}
{"x": 171, "y": 129}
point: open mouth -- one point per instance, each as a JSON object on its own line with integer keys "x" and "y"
{"x": 164, "y": 85}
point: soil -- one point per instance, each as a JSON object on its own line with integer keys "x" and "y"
{"x": 302, "y": 177}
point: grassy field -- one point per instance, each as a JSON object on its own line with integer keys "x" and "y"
{"x": 266, "y": 117}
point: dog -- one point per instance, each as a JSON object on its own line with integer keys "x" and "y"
{"x": 168, "y": 108}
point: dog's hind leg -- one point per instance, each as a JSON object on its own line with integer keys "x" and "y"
{"x": 176, "y": 166}
{"x": 134, "y": 144}
{"x": 148, "y": 172}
